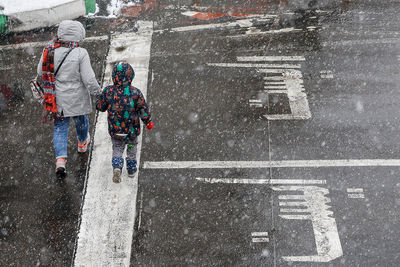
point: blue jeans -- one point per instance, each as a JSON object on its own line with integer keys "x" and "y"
{"x": 60, "y": 137}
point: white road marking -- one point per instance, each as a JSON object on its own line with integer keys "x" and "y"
{"x": 271, "y": 58}
{"x": 363, "y": 42}
{"x": 324, "y": 225}
{"x": 281, "y": 117}
{"x": 355, "y": 190}
{"x": 260, "y": 239}
{"x": 289, "y": 210}
{"x": 292, "y": 203}
{"x": 316, "y": 11}
{"x": 109, "y": 209}
{"x": 3, "y": 68}
{"x": 255, "y": 103}
{"x": 277, "y": 91}
{"x": 355, "y": 193}
{"x": 271, "y": 164}
{"x": 326, "y": 74}
{"x": 290, "y": 197}
{"x": 208, "y": 8}
{"x": 247, "y": 22}
{"x": 193, "y": 13}
{"x": 276, "y": 83}
{"x": 260, "y": 181}
{"x": 288, "y": 75}
{"x": 255, "y": 65}
{"x": 242, "y": 23}
{"x": 298, "y": 102}
{"x": 294, "y": 217}
{"x": 42, "y": 44}
{"x": 259, "y": 32}
{"x": 314, "y": 206}
{"x": 259, "y": 234}
{"x": 356, "y": 196}
{"x": 273, "y": 79}
{"x": 140, "y": 210}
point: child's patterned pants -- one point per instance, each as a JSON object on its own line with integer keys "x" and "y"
{"x": 118, "y": 149}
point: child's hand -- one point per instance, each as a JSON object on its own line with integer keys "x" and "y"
{"x": 150, "y": 125}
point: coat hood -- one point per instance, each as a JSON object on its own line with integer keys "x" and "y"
{"x": 122, "y": 74}
{"x": 71, "y": 31}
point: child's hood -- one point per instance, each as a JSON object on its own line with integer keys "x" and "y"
{"x": 122, "y": 74}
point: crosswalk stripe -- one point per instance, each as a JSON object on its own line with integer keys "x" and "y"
{"x": 109, "y": 209}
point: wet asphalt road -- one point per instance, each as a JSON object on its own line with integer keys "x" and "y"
{"x": 350, "y": 75}
{"x": 38, "y": 214}
{"x": 203, "y": 113}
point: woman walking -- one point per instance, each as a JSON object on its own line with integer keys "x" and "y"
{"x": 68, "y": 81}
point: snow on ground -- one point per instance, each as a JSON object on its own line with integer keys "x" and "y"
{"x": 17, "y": 6}
{"x": 115, "y": 6}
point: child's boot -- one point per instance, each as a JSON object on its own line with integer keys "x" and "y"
{"x": 131, "y": 167}
{"x": 118, "y": 164}
{"x": 61, "y": 171}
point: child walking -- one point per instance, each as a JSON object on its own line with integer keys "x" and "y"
{"x": 125, "y": 104}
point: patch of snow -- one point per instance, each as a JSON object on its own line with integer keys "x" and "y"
{"x": 114, "y": 8}
{"x": 18, "y": 6}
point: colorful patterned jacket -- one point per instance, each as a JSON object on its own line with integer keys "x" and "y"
{"x": 124, "y": 103}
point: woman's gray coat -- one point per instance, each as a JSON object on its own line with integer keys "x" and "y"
{"x": 75, "y": 81}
